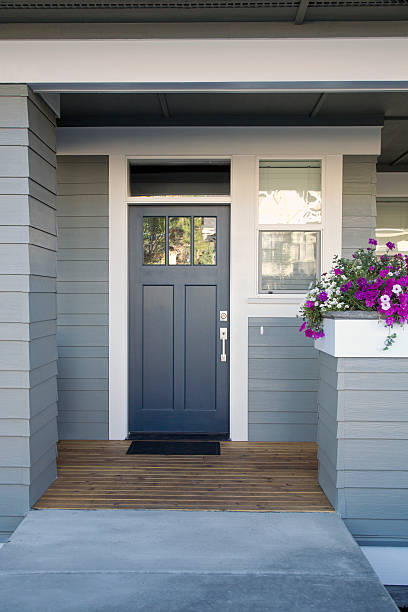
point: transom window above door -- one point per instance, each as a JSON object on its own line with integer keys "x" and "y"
{"x": 174, "y": 178}
{"x": 289, "y": 225}
{"x": 179, "y": 240}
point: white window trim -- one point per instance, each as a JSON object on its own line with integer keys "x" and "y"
{"x": 330, "y": 226}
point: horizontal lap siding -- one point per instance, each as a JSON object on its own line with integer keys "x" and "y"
{"x": 283, "y": 379}
{"x": 363, "y": 444}
{"x": 28, "y": 355}
{"x": 359, "y": 202}
{"x": 82, "y": 297}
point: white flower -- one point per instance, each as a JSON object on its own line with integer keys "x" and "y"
{"x": 316, "y": 303}
{"x": 338, "y": 291}
{"x": 390, "y": 273}
{"x": 386, "y": 306}
{"x": 347, "y": 306}
{"x": 397, "y": 289}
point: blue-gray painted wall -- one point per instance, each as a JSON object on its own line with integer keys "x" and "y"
{"x": 82, "y": 297}
{"x": 283, "y": 381}
{"x": 363, "y": 444}
{"x": 28, "y": 356}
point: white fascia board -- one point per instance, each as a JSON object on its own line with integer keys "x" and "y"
{"x": 392, "y": 184}
{"x": 202, "y": 141}
{"x": 369, "y": 61}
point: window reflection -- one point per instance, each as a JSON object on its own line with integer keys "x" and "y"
{"x": 392, "y": 225}
{"x": 179, "y": 240}
{"x": 288, "y": 260}
{"x": 154, "y": 240}
{"x": 289, "y": 192}
{"x": 205, "y": 241}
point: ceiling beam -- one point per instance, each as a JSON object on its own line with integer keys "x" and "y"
{"x": 399, "y": 158}
{"x": 301, "y": 12}
{"x": 163, "y": 105}
{"x": 316, "y": 109}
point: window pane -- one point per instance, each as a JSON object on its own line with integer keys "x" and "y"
{"x": 205, "y": 241}
{"x": 392, "y": 225}
{"x": 288, "y": 260}
{"x": 154, "y": 240}
{"x": 179, "y": 178}
{"x": 179, "y": 240}
{"x": 289, "y": 192}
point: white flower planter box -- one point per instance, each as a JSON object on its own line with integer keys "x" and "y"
{"x": 355, "y": 335}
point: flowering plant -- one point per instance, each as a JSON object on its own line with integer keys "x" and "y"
{"x": 366, "y": 282}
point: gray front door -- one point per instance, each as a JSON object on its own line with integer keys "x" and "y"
{"x": 178, "y": 294}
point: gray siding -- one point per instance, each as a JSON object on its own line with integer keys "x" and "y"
{"x": 28, "y": 389}
{"x": 363, "y": 444}
{"x": 283, "y": 379}
{"x": 359, "y": 201}
{"x": 82, "y": 298}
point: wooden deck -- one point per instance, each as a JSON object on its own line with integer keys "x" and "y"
{"x": 256, "y": 476}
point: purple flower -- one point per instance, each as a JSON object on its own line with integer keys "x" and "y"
{"x": 322, "y": 296}
{"x": 390, "y": 245}
{"x": 310, "y": 304}
{"x": 371, "y": 268}
{"x": 361, "y": 282}
{"x": 309, "y": 333}
{"x": 346, "y": 287}
{"x": 389, "y": 321}
{"x": 372, "y": 241}
{"x": 302, "y": 327}
{"x": 338, "y": 271}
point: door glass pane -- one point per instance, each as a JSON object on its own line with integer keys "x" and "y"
{"x": 288, "y": 260}
{"x": 205, "y": 241}
{"x": 179, "y": 240}
{"x": 154, "y": 240}
{"x": 290, "y": 192}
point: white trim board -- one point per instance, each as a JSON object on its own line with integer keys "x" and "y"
{"x": 243, "y": 146}
{"x": 346, "y": 60}
{"x": 219, "y": 141}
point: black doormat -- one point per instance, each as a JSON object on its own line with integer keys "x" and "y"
{"x": 171, "y": 447}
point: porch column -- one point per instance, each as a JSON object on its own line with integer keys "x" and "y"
{"x": 28, "y": 353}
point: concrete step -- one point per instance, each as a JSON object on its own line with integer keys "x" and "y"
{"x": 173, "y": 561}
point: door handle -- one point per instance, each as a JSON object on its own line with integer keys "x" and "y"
{"x": 223, "y": 338}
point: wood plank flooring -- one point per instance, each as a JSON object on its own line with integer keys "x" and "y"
{"x": 256, "y": 476}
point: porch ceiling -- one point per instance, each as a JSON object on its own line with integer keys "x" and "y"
{"x": 295, "y": 11}
{"x": 245, "y": 109}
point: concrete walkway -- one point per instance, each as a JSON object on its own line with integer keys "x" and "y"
{"x": 172, "y": 561}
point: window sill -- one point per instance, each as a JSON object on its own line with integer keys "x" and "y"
{"x": 278, "y": 298}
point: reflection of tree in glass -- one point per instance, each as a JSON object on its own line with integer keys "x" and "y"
{"x": 179, "y": 240}
{"x": 205, "y": 238}
{"x": 154, "y": 240}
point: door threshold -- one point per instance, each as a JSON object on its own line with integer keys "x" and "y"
{"x": 175, "y": 436}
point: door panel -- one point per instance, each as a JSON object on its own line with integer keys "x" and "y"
{"x": 201, "y": 355}
{"x": 158, "y": 333}
{"x": 178, "y": 284}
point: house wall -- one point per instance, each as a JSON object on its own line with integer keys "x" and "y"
{"x": 28, "y": 357}
{"x": 283, "y": 381}
{"x": 363, "y": 449}
{"x": 82, "y": 297}
{"x": 283, "y": 364}
{"x": 359, "y": 201}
